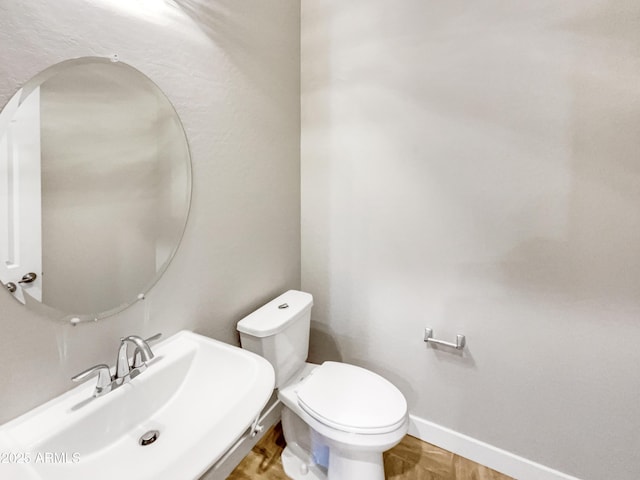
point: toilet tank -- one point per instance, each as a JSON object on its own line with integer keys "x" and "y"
{"x": 279, "y": 332}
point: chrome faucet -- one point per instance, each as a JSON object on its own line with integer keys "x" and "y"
{"x": 124, "y": 372}
{"x": 123, "y": 369}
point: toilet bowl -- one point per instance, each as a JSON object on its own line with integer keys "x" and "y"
{"x": 337, "y": 418}
{"x": 352, "y": 415}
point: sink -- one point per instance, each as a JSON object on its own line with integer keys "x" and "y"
{"x": 199, "y": 394}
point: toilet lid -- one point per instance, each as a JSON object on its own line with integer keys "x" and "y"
{"x": 352, "y": 399}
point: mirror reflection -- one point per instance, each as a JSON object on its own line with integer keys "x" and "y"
{"x": 95, "y": 187}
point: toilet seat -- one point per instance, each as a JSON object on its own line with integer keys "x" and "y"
{"x": 352, "y": 399}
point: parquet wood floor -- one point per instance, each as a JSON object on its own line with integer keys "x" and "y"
{"x": 411, "y": 459}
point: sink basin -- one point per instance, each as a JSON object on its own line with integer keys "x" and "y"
{"x": 201, "y": 395}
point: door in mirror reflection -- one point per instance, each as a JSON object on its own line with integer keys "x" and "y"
{"x": 20, "y": 202}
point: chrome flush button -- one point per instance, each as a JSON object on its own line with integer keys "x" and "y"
{"x": 284, "y": 305}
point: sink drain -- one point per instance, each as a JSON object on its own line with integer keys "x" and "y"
{"x": 149, "y": 437}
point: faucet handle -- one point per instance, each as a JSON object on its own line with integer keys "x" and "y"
{"x": 153, "y": 338}
{"x": 137, "y": 355}
{"x": 104, "y": 377}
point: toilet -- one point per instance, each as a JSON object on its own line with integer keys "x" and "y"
{"x": 337, "y": 418}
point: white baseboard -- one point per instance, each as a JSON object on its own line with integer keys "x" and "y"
{"x": 495, "y": 458}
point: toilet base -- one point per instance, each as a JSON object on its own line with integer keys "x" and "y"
{"x": 351, "y": 465}
{"x": 298, "y": 467}
{"x": 367, "y": 465}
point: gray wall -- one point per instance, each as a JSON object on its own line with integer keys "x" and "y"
{"x": 232, "y": 71}
{"x": 473, "y": 167}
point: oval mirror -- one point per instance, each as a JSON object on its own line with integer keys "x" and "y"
{"x": 95, "y": 187}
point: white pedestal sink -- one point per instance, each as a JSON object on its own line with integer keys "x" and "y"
{"x": 201, "y": 395}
